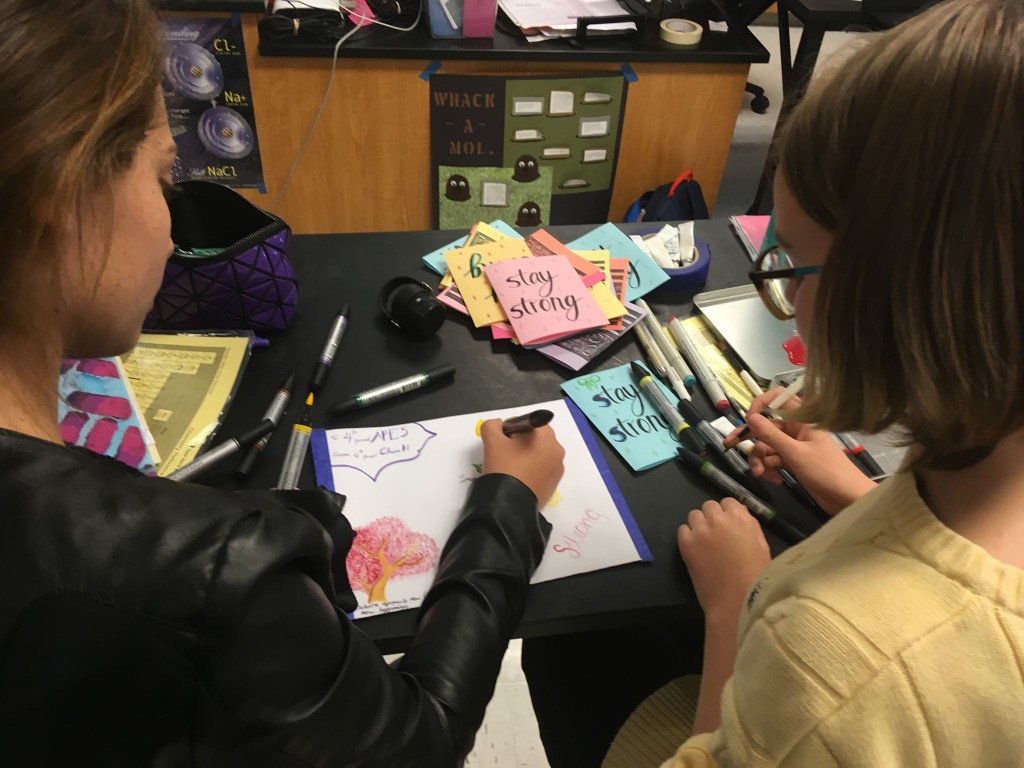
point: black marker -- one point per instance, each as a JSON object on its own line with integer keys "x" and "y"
{"x": 757, "y": 507}
{"x": 228, "y": 448}
{"x": 274, "y": 413}
{"x": 368, "y": 397}
{"x": 517, "y": 425}
{"x": 709, "y": 435}
{"x": 323, "y": 366}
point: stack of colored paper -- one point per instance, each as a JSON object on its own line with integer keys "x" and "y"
{"x": 569, "y": 301}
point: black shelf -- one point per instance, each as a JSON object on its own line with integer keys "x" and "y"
{"x": 737, "y": 46}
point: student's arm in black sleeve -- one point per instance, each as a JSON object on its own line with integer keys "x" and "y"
{"x": 303, "y": 681}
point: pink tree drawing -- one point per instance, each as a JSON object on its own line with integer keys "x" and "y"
{"x": 386, "y": 549}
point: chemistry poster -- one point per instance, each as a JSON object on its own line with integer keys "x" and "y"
{"x": 529, "y": 151}
{"x": 209, "y": 102}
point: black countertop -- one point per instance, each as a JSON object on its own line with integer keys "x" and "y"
{"x": 738, "y": 45}
{"x": 333, "y": 269}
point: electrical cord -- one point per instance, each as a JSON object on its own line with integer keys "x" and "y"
{"x": 330, "y": 84}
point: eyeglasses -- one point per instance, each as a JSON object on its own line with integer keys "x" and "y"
{"x": 772, "y": 274}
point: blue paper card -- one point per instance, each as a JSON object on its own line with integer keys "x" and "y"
{"x": 625, "y": 416}
{"x": 644, "y": 274}
{"x": 435, "y": 259}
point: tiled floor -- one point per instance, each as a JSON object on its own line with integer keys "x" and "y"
{"x": 509, "y": 737}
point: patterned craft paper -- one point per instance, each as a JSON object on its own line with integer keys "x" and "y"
{"x": 496, "y": 230}
{"x": 625, "y": 416}
{"x": 96, "y": 410}
{"x": 405, "y": 486}
{"x": 542, "y": 243}
{"x": 544, "y": 299}
{"x": 467, "y": 266}
{"x": 577, "y": 351}
{"x": 604, "y": 293}
{"x": 644, "y": 274}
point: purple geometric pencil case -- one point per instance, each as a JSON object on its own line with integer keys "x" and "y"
{"x": 230, "y": 268}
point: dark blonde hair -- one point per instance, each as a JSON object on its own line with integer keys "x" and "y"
{"x": 78, "y": 83}
{"x": 912, "y": 155}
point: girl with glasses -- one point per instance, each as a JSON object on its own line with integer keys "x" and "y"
{"x": 895, "y": 635}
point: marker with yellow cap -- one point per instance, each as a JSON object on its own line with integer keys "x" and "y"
{"x": 678, "y": 424}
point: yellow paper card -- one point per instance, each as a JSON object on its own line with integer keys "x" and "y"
{"x": 467, "y": 267}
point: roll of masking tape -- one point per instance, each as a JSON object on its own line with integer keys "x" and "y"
{"x": 681, "y": 32}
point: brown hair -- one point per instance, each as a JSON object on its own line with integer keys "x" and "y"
{"x": 912, "y": 155}
{"x": 78, "y": 87}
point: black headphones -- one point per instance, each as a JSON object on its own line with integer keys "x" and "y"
{"x": 410, "y": 305}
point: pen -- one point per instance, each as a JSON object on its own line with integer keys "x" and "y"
{"x": 781, "y": 399}
{"x": 274, "y": 413}
{"x": 707, "y": 379}
{"x": 668, "y": 349}
{"x": 517, "y": 425}
{"x": 861, "y": 453}
{"x": 323, "y": 366}
{"x": 222, "y": 451}
{"x": 369, "y": 397}
{"x": 654, "y": 353}
{"x": 757, "y": 507}
{"x": 296, "y": 454}
{"x": 680, "y": 428}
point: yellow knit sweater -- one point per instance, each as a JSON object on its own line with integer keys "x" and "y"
{"x": 886, "y": 639}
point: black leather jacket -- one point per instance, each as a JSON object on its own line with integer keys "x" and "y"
{"x": 149, "y": 623}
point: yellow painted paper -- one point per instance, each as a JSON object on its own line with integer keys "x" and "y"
{"x": 602, "y": 291}
{"x": 705, "y": 342}
{"x": 466, "y": 266}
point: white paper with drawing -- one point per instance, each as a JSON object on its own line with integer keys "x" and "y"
{"x": 406, "y": 485}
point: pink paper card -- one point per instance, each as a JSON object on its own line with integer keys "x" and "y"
{"x": 544, "y": 299}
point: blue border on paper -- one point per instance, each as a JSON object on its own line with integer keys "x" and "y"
{"x": 322, "y": 460}
{"x": 613, "y": 487}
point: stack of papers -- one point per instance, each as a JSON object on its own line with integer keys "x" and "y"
{"x": 569, "y": 301}
{"x": 546, "y": 19}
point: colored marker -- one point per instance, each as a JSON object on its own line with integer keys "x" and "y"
{"x": 369, "y": 397}
{"x": 736, "y": 463}
{"x": 326, "y": 361}
{"x": 858, "y": 450}
{"x": 678, "y": 424}
{"x": 653, "y": 352}
{"x": 274, "y": 413}
{"x": 704, "y": 375}
{"x": 294, "y": 457}
{"x": 758, "y": 508}
{"x": 780, "y": 400}
{"x": 222, "y": 451}
{"x": 668, "y": 349}
{"x": 517, "y": 425}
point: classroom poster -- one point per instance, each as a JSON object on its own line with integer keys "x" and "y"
{"x": 528, "y": 151}
{"x": 405, "y": 485}
{"x": 209, "y": 102}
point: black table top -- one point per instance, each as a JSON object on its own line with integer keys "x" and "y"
{"x": 738, "y": 45}
{"x": 334, "y": 269}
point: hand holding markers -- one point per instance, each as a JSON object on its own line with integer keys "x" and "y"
{"x": 533, "y": 457}
{"x": 812, "y": 455}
